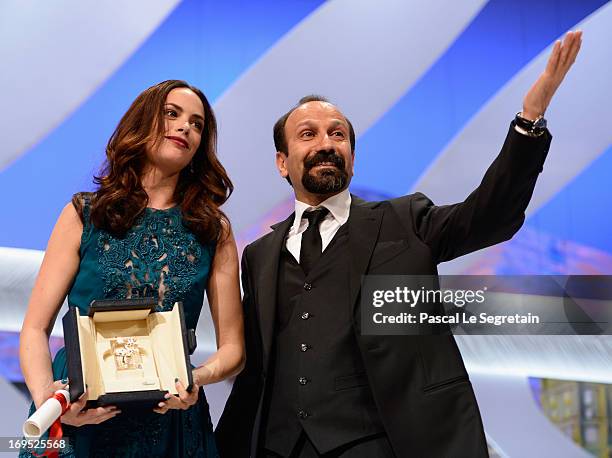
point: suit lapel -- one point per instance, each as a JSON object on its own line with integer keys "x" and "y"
{"x": 266, "y": 295}
{"x": 364, "y": 225}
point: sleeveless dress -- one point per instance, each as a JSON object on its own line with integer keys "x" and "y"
{"x": 158, "y": 257}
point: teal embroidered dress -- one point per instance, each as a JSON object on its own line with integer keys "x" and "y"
{"x": 158, "y": 257}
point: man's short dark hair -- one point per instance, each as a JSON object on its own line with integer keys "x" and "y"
{"x": 280, "y": 139}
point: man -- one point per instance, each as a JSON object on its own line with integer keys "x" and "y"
{"x": 313, "y": 384}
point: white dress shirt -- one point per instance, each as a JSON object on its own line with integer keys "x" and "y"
{"x": 339, "y": 207}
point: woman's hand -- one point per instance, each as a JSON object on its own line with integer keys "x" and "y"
{"x": 49, "y": 391}
{"x": 183, "y": 401}
{"x": 76, "y": 416}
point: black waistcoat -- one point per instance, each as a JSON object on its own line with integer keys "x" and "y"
{"x": 319, "y": 383}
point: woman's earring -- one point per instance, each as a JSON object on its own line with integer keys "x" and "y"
{"x": 191, "y": 169}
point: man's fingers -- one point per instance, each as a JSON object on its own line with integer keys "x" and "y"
{"x": 553, "y": 60}
{"x": 562, "y": 57}
{"x": 573, "y": 51}
{"x": 569, "y": 57}
{"x": 570, "y": 48}
{"x": 565, "y": 46}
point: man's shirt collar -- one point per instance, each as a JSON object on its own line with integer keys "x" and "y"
{"x": 339, "y": 206}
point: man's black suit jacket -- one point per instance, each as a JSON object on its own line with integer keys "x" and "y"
{"x": 419, "y": 383}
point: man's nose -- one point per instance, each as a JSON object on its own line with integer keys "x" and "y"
{"x": 326, "y": 143}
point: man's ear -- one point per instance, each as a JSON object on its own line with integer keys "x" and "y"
{"x": 281, "y": 164}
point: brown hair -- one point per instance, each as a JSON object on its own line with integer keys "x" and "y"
{"x": 202, "y": 187}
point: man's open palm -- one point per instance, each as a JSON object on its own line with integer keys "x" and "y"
{"x": 561, "y": 59}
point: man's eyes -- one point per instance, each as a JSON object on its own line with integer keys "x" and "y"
{"x": 310, "y": 133}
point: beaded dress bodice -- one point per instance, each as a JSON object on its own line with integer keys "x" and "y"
{"x": 158, "y": 257}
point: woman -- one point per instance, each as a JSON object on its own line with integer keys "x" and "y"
{"x": 153, "y": 228}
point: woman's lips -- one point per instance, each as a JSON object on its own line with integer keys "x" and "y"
{"x": 179, "y": 141}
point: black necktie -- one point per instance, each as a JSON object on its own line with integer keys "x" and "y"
{"x": 312, "y": 246}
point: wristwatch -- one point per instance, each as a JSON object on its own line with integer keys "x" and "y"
{"x": 533, "y": 128}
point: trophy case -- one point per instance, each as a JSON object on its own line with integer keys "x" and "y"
{"x": 125, "y": 353}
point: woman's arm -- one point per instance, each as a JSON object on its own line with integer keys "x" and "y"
{"x": 56, "y": 274}
{"x": 226, "y": 309}
{"x": 224, "y": 298}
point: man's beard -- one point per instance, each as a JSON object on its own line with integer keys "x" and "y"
{"x": 329, "y": 180}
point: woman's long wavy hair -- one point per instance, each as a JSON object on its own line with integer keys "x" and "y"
{"x": 203, "y": 186}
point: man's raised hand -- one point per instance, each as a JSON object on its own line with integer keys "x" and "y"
{"x": 561, "y": 59}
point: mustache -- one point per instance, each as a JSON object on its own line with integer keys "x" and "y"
{"x": 320, "y": 157}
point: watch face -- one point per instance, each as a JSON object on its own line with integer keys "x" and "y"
{"x": 536, "y": 127}
{"x": 539, "y": 124}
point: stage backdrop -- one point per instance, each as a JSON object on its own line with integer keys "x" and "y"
{"x": 431, "y": 88}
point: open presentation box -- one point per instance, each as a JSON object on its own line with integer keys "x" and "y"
{"x": 127, "y": 354}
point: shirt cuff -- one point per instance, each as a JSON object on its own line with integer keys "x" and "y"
{"x": 522, "y": 131}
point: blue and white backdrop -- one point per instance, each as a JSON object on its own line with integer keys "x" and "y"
{"x": 430, "y": 86}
